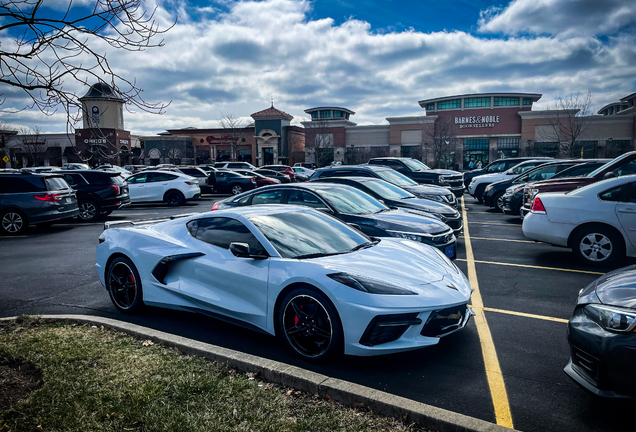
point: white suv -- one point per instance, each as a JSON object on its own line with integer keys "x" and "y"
{"x": 173, "y": 188}
{"x": 478, "y": 184}
{"x": 234, "y": 166}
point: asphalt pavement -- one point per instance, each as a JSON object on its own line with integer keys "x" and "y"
{"x": 528, "y": 292}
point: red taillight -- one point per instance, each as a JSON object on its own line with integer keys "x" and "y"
{"x": 215, "y": 206}
{"x": 252, "y": 179}
{"x": 116, "y": 189}
{"x": 537, "y": 206}
{"x": 48, "y": 197}
{"x": 189, "y": 183}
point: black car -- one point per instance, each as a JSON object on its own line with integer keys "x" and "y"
{"x": 354, "y": 207}
{"x": 494, "y": 192}
{"x": 34, "y": 199}
{"x": 230, "y": 182}
{"x": 396, "y": 197}
{"x": 500, "y": 165}
{"x": 434, "y": 193}
{"x": 99, "y": 193}
{"x": 284, "y": 178}
{"x": 512, "y": 199}
{"x": 419, "y": 172}
{"x": 601, "y": 336}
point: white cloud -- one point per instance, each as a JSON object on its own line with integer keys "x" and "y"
{"x": 565, "y": 17}
{"x": 237, "y": 61}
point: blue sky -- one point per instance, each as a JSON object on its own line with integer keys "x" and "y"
{"x": 377, "y": 58}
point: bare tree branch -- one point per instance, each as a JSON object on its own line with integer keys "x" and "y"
{"x": 34, "y": 144}
{"x": 234, "y": 130}
{"x": 319, "y": 142}
{"x": 439, "y": 138}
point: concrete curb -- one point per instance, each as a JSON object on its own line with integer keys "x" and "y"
{"x": 344, "y": 392}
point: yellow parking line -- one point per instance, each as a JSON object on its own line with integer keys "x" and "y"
{"x": 534, "y": 267}
{"x": 527, "y": 315}
{"x": 491, "y": 361}
{"x": 509, "y": 240}
{"x": 494, "y": 223}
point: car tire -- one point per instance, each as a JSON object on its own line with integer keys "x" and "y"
{"x": 174, "y": 198}
{"x": 498, "y": 203}
{"x": 479, "y": 192}
{"x": 309, "y": 325}
{"x": 236, "y": 189}
{"x": 124, "y": 285}
{"x": 597, "y": 246}
{"x": 88, "y": 210}
{"x": 13, "y": 222}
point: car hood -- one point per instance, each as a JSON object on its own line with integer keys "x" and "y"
{"x": 426, "y": 190}
{"x": 563, "y": 184}
{"x": 490, "y": 177}
{"x": 400, "y": 220}
{"x": 425, "y": 205}
{"x": 407, "y": 264}
{"x": 618, "y": 288}
{"x": 441, "y": 172}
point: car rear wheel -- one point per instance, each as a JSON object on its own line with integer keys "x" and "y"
{"x": 597, "y": 246}
{"x": 88, "y": 210}
{"x": 237, "y": 189}
{"x": 174, "y": 198}
{"x": 13, "y": 222}
{"x": 309, "y": 325}
{"x": 124, "y": 285}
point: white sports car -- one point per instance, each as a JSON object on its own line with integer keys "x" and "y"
{"x": 322, "y": 286}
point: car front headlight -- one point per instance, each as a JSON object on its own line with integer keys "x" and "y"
{"x": 437, "y": 198}
{"x": 612, "y": 318}
{"x": 489, "y": 187}
{"x": 369, "y": 285}
{"x": 404, "y": 235}
{"x": 473, "y": 180}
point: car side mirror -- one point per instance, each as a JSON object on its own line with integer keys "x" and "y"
{"x": 242, "y": 250}
{"x": 609, "y": 175}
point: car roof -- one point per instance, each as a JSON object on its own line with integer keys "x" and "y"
{"x": 259, "y": 210}
{"x": 365, "y": 167}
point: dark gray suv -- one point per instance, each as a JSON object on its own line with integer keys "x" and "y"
{"x": 34, "y": 199}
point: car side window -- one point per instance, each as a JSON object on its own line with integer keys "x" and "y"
{"x": 222, "y": 231}
{"x": 269, "y": 197}
{"x": 629, "y": 193}
{"x": 141, "y": 178}
{"x": 159, "y": 177}
{"x": 627, "y": 169}
{"x": 611, "y": 194}
{"x": 306, "y": 199}
{"x": 21, "y": 185}
{"x": 499, "y": 166}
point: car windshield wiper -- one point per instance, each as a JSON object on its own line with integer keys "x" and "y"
{"x": 319, "y": 255}
{"x": 364, "y": 245}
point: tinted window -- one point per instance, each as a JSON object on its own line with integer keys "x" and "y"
{"x": 117, "y": 180}
{"x": 630, "y": 195}
{"x": 543, "y": 173}
{"x": 296, "y": 234}
{"x": 223, "y": 231}
{"x": 193, "y": 172}
{"x": 612, "y": 194}
{"x": 95, "y": 178}
{"x": 140, "y": 178}
{"x": 351, "y": 201}
{"x": 56, "y": 183}
{"x": 159, "y": 177}
{"x": 269, "y": 197}
{"x": 627, "y": 169}
{"x": 578, "y": 170}
{"x": 21, "y": 185}
{"x": 498, "y": 167}
{"x": 304, "y": 198}
{"x": 395, "y": 178}
{"x": 387, "y": 190}
{"x": 74, "y": 179}
{"x": 415, "y": 165}
{"x": 394, "y": 164}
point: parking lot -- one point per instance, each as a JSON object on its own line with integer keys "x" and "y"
{"x": 505, "y": 367}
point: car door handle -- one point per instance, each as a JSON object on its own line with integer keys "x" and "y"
{"x": 626, "y": 210}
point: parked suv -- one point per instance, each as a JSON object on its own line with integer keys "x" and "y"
{"x": 434, "y": 193}
{"x": 234, "y": 166}
{"x": 99, "y": 193}
{"x": 500, "y": 165}
{"x": 202, "y": 177}
{"x": 34, "y": 199}
{"x": 416, "y": 170}
{"x": 621, "y": 166}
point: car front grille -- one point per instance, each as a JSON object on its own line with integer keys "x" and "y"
{"x": 387, "y": 328}
{"x": 454, "y": 222}
{"x": 444, "y": 321}
{"x": 586, "y": 364}
{"x": 453, "y": 180}
{"x": 439, "y": 239}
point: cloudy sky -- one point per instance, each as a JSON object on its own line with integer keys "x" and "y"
{"x": 375, "y": 57}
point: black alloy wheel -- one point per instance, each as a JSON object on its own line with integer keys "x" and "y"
{"x": 597, "y": 246}
{"x": 124, "y": 285}
{"x": 13, "y": 222}
{"x": 499, "y": 201}
{"x": 174, "y": 198}
{"x": 310, "y": 326}
{"x": 88, "y": 210}
{"x": 237, "y": 189}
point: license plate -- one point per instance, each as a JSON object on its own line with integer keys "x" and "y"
{"x": 450, "y": 251}
{"x": 68, "y": 200}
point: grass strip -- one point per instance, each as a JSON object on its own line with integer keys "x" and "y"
{"x": 96, "y": 379}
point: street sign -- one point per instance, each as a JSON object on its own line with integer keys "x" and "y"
{"x": 5, "y": 159}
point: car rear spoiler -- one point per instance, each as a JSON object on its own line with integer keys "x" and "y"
{"x": 143, "y": 222}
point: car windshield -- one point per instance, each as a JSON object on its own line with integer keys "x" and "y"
{"x": 395, "y": 178}
{"x": 305, "y": 235}
{"x": 415, "y": 165}
{"x": 581, "y": 170}
{"x": 387, "y": 190}
{"x": 56, "y": 183}
{"x": 351, "y": 201}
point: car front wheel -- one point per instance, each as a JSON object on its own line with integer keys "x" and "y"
{"x": 309, "y": 325}
{"x": 13, "y": 222}
{"x": 174, "y": 198}
{"x": 124, "y": 285}
{"x": 597, "y": 246}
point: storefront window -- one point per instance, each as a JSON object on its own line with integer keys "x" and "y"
{"x": 223, "y": 156}
{"x": 476, "y": 150}
{"x": 527, "y": 101}
{"x": 506, "y": 101}
{"x": 507, "y": 147}
{"x": 449, "y": 104}
{"x": 546, "y": 149}
{"x": 477, "y": 102}
{"x": 245, "y": 156}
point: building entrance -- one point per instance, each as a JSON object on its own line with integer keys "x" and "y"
{"x": 268, "y": 156}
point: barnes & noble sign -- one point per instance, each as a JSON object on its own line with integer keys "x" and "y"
{"x": 476, "y": 122}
